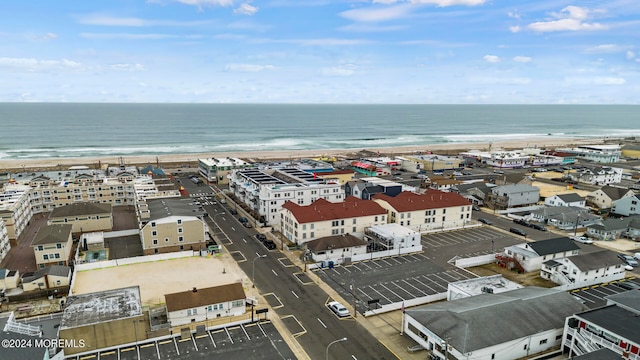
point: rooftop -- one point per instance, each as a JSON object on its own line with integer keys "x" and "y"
{"x": 477, "y": 286}
{"x": 166, "y": 207}
{"x": 615, "y": 320}
{"x": 323, "y": 210}
{"x": 202, "y": 297}
{"x": 334, "y": 242}
{"x": 52, "y": 234}
{"x": 432, "y": 199}
{"x": 83, "y": 208}
{"x": 596, "y": 260}
{"x": 94, "y": 308}
{"x": 553, "y": 246}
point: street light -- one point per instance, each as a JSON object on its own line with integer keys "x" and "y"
{"x": 331, "y": 343}
{"x": 253, "y": 269}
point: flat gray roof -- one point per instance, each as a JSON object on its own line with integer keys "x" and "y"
{"x": 99, "y": 307}
{"x": 162, "y": 208}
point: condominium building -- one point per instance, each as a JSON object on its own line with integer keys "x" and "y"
{"x": 215, "y": 170}
{"x": 265, "y": 191}
{"x": 5, "y": 244}
{"x": 429, "y": 211}
{"x": 596, "y": 153}
{"x": 301, "y": 224}
{"x": 14, "y": 209}
{"x": 53, "y": 245}
{"x": 84, "y": 217}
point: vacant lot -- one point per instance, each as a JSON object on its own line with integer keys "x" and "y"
{"x": 527, "y": 279}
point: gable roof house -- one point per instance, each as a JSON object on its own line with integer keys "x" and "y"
{"x": 565, "y": 217}
{"x": 52, "y": 245}
{"x": 51, "y": 277}
{"x": 601, "y": 175}
{"x": 511, "y": 196}
{"x": 475, "y": 192}
{"x": 531, "y": 255}
{"x": 84, "y": 216}
{"x": 301, "y": 224}
{"x": 433, "y": 210}
{"x": 570, "y": 199}
{"x": 336, "y": 247}
{"x": 198, "y": 305}
{"x": 629, "y": 205}
{"x": 509, "y": 325}
{"x": 584, "y": 269}
{"x": 604, "y": 197}
{"x": 613, "y": 228}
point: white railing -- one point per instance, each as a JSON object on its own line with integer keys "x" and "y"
{"x": 20, "y": 328}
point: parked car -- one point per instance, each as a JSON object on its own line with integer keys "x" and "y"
{"x": 636, "y": 256}
{"x": 628, "y": 285}
{"x": 223, "y": 201}
{"x": 518, "y": 231}
{"x": 261, "y": 237}
{"x": 475, "y": 207}
{"x": 485, "y": 221}
{"x": 338, "y": 309}
{"x": 269, "y": 244}
{"x": 233, "y": 212}
{"x": 629, "y": 260}
{"x": 521, "y": 222}
{"x": 538, "y": 227}
{"x": 246, "y": 224}
{"x": 581, "y": 239}
{"x": 243, "y": 219}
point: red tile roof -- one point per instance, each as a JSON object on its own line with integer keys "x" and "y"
{"x": 432, "y": 199}
{"x": 323, "y": 210}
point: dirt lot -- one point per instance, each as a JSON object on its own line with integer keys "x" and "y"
{"x": 527, "y": 279}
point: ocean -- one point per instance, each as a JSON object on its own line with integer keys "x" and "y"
{"x": 62, "y": 130}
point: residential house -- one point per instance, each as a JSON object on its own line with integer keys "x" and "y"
{"x": 170, "y": 225}
{"x": 199, "y": 305}
{"x": 365, "y": 188}
{"x": 511, "y": 196}
{"x": 336, "y": 248}
{"x": 84, "y": 217}
{"x": 570, "y": 199}
{"x": 614, "y": 228}
{"x": 475, "y": 192}
{"x": 265, "y": 191}
{"x": 531, "y": 255}
{"x": 443, "y": 184}
{"x": 584, "y": 269}
{"x": 9, "y": 279}
{"x": 53, "y": 245}
{"x": 626, "y": 206}
{"x": 341, "y": 176}
{"x": 301, "y": 224}
{"x": 49, "y": 278}
{"x": 613, "y": 326}
{"x": 568, "y": 218}
{"x": 102, "y": 319}
{"x": 604, "y": 197}
{"x": 601, "y": 175}
{"x": 392, "y": 239}
{"x": 511, "y": 325}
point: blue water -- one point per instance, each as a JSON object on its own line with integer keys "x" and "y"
{"x": 55, "y": 130}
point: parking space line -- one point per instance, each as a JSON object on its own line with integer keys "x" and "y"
{"x": 365, "y": 265}
{"x": 427, "y": 286}
{"x": 406, "y": 282}
{"x": 176, "y": 345}
{"x": 261, "y": 329}
{"x": 395, "y": 259}
{"x": 372, "y": 288}
{"x": 401, "y": 288}
{"x": 391, "y": 291}
{"x": 385, "y": 261}
{"x": 228, "y": 335}
{"x": 212, "y": 341}
{"x": 365, "y": 294}
{"x": 245, "y": 332}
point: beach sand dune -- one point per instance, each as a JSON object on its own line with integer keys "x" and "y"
{"x": 179, "y": 160}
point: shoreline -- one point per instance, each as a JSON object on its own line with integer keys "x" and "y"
{"x": 178, "y": 159}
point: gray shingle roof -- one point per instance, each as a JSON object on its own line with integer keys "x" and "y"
{"x": 595, "y": 260}
{"x": 616, "y": 320}
{"x": 486, "y": 320}
{"x": 162, "y": 208}
{"x": 553, "y": 246}
{"x": 614, "y": 192}
{"x": 571, "y": 197}
{"x": 52, "y": 234}
{"x": 629, "y": 299}
{"x": 53, "y": 270}
{"x": 85, "y": 208}
{"x": 601, "y": 354}
{"x": 334, "y": 242}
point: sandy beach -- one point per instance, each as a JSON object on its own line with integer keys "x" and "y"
{"x": 180, "y": 160}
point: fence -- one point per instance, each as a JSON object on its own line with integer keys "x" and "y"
{"x": 134, "y": 260}
{"x": 475, "y": 261}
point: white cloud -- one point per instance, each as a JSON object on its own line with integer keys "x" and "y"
{"x": 35, "y": 65}
{"x": 371, "y": 28}
{"x": 374, "y": 14}
{"x": 609, "y": 81}
{"x": 50, "y": 36}
{"x": 630, "y": 55}
{"x": 199, "y": 3}
{"x": 514, "y": 14}
{"x": 127, "y": 67}
{"x": 246, "y": 9}
{"x": 491, "y": 58}
{"x": 342, "y": 70}
{"x": 605, "y": 49}
{"x": 515, "y": 28}
{"x": 444, "y": 3}
{"x": 248, "y": 67}
{"x": 128, "y": 36}
{"x": 107, "y": 20}
{"x": 571, "y": 18}
{"x": 522, "y": 59}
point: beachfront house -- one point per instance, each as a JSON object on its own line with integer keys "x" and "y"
{"x": 301, "y": 224}
{"x": 433, "y": 210}
{"x": 196, "y": 306}
{"x": 52, "y": 245}
{"x": 365, "y": 188}
{"x": 595, "y": 153}
{"x": 171, "y": 225}
{"x": 216, "y": 170}
{"x": 84, "y": 216}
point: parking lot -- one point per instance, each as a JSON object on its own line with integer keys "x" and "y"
{"x": 399, "y": 278}
{"x": 259, "y": 340}
{"x": 594, "y": 296}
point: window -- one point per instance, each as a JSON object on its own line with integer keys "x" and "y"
{"x": 45, "y": 256}
{"x": 154, "y": 233}
{"x": 40, "y": 248}
{"x": 57, "y": 256}
{"x": 179, "y": 230}
{"x": 237, "y": 303}
{"x": 58, "y": 246}
{"x": 166, "y": 239}
{"x": 179, "y": 221}
{"x": 155, "y": 241}
{"x": 543, "y": 341}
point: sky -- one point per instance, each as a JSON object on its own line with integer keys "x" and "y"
{"x": 321, "y": 51}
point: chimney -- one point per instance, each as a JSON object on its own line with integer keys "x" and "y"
{"x": 194, "y": 289}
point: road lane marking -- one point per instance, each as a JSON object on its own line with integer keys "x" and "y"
{"x": 274, "y": 272}
{"x": 294, "y": 294}
{"x": 325, "y": 326}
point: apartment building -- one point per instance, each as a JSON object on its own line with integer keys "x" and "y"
{"x": 266, "y": 190}
{"x": 5, "y": 244}
{"x": 215, "y": 170}
{"x": 584, "y": 270}
{"x": 429, "y": 211}
{"x": 301, "y": 224}
{"x": 596, "y": 153}
{"x": 14, "y": 209}
{"x": 170, "y": 225}
{"x": 510, "y": 196}
{"x": 53, "y": 245}
{"x": 84, "y": 217}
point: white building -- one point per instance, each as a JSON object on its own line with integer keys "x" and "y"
{"x": 429, "y": 211}
{"x": 494, "y": 284}
{"x": 301, "y": 224}
{"x": 265, "y": 191}
{"x": 336, "y": 248}
{"x": 15, "y": 210}
{"x": 5, "y": 244}
{"x": 393, "y": 238}
{"x": 602, "y": 175}
{"x": 199, "y": 305}
{"x": 504, "y": 326}
{"x": 531, "y": 255}
{"x": 627, "y": 206}
{"x": 604, "y": 197}
{"x": 583, "y": 270}
{"x": 596, "y": 153}
{"x": 215, "y": 170}
{"x": 571, "y": 199}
